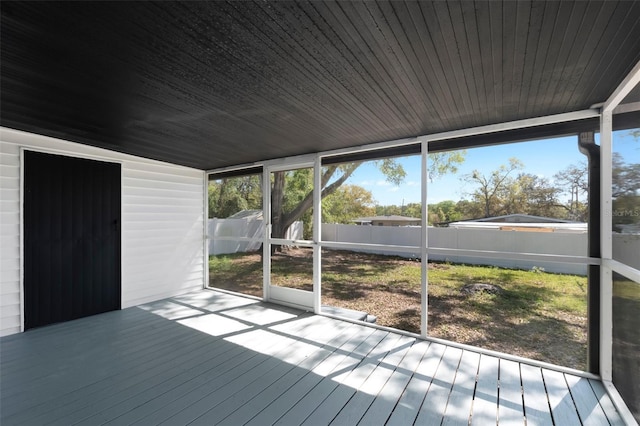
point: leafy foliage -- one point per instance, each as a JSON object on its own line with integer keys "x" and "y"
{"x": 626, "y": 192}
{"x": 392, "y": 170}
{"x": 503, "y": 192}
{"x": 232, "y": 195}
{"x": 506, "y": 190}
{"x": 492, "y": 191}
{"x": 292, "y": 192}
{"x": 444, "y": 211}
{"x": 347, "y": 203}
{"x": 442, "y": 163}
{"x": 408, "y": 210}
{"x": 573, "y": 180}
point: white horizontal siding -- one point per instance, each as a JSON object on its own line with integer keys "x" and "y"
{"x": 138, "y": 178}
{"x": 9, "y": 241}
{"x": 139, "y": 296}
{"x": 133, "y": 192}
{"x": 11, "y": 300}
{"x": 10, "y": 218}
{"x": 162, "y": 223}
{"x": 10, "y": 280}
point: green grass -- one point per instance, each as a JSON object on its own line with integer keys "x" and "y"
{"x": 625, "y": 288}
{"x": 524, "y": 290}
{"x": 220, "y": 264}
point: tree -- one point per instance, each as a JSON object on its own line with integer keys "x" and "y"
{"x": 347, "y": 203}
{"x": 490, "y": 188}
{"x": 502, "y": 193}
{"x": 626, "y": 192}
{"x": 292, "y": 191}
{"x": 231, "y": 195}
{"x": 408, "y": 210}
{"x": 529, "y": 194}
{"x": 284, "y": 212}
{"x": 574, "y": 180}
{"x": 441, "y": 163}
{"x": 469, "y": 209}
{"x": 538, "y": 196}
{"x": 444, "y": 211}
{"x": 626, "y": 177}
{"x": 388, "y": 210}
{"x": 413, "y": 210}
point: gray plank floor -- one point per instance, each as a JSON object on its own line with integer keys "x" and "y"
{"x": 212, "y": 358}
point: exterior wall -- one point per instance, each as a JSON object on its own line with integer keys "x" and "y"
{"x": 162, "y": 224}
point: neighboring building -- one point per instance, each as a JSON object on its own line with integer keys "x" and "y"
{"x": 522, "y": 222}
{"x": 389, "y": 220}
{"x": 520, "y": 218}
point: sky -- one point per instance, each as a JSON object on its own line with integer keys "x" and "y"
{"x": 543, "y": 158}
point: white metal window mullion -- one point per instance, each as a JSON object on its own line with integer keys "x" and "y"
{"x": 266, "y": 246}
{"x": 22, "y": 242}
{"x": 606, "y": 248}
{"x": 623, "y": 269}
{"x": 340, "y": 245}
{"x": 317, "y": 235}
{"x": 606, "y": 213}
{"x": 424, "y": 254}
{"x": 205, "y": 230}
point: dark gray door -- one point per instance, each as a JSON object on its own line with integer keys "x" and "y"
{"x": 71, "y": 238}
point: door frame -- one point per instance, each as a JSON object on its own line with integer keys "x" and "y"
{"x": 23, "y": 150}
{"x": 282, "y": 295}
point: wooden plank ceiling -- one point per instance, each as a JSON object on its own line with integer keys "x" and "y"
{"x": 213, "y": 84}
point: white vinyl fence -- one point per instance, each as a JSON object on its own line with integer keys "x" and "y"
{"x": 557, "y": 243}
{"x": 626, "y": 247}
{"x": 224, "y": 234}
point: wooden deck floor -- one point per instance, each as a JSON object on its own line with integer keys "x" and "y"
{"x": 211, "y": 358}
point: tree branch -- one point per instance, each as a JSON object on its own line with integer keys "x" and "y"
{"x": 307, "y": 202}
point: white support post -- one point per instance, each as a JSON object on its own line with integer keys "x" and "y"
{"x": 606, "y": 284}
{"x": 317, "y": 223}
{"x": 606, "y": 211}
{"x": 424, "y": 255}
{"x": 205, "y": 230}
{"x": 22, "y": 243}
{"x": 266, "y": 247}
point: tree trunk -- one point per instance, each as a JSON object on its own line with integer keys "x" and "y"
{"x": 277, "y": 202}
{"x": 281, "y": 220}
